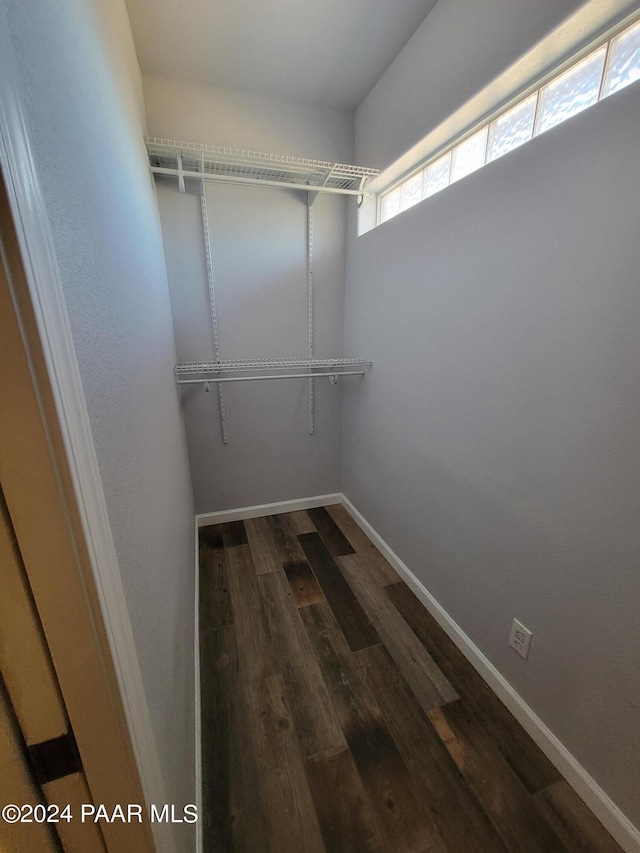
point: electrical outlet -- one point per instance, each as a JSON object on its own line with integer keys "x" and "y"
{"x": 520, "y": 639}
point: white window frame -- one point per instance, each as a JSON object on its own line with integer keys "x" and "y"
{"x": 606, "y": 38}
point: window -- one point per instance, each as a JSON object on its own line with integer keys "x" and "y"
{"x": 571, "y": 92}
{"x": 468, "y": 155}
{"x": 607, "y": 69}
{"x": 512, "y": 128}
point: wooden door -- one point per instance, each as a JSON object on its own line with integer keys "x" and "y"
{"x": 17, "y": 787}
{"x": 62, "y": 689}
{"x": 40, "y": 769}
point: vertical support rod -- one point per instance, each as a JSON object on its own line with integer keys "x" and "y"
{"x": 212, "y": 305}
{"x": 180, "y": 172}
{"x": 310, "y": 307}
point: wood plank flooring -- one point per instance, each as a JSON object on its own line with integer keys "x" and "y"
{"x": 337, "y": 716}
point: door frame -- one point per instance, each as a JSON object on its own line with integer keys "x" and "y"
{"x": 56, "y": 386}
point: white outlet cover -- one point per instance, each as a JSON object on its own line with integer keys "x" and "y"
{"x": 520, "y": 639}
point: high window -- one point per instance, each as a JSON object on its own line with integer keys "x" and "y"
{"x": 611, "y": 66}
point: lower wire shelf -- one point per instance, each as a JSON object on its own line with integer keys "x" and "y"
{"x": 333, "y": 375}
{"x": 204, "y": 368}
{"x": 207, "y": 373}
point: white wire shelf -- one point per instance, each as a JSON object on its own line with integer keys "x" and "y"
{"x": 190, "y": 160}
{"x": 204, "y": 368}
{"x": 207, "y": 380}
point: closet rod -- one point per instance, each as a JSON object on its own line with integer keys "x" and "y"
{"x": 334, "y": 375}
{"x": 257, "y": 182}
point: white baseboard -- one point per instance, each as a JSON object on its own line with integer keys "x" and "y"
{"x": 620, "y": 827}
{"x": 198, "y": 700}
{"x": 260, "y": 510}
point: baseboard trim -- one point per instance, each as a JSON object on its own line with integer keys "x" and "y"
{"x": 607, "y": 812}
{"x": 198, "y": 698}
{"x": 260, "y": 510}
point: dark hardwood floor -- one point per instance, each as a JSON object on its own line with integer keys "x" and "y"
{"x": 338, "y": 716}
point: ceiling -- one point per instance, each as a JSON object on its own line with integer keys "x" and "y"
{"x": 328, "y": 52}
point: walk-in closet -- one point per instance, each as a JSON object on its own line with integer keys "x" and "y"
{"x": 320, "y": 368}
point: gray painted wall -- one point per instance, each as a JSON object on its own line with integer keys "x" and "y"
{"x": 82, "y": 88}
{"x": 460, "y": 48}
{"x": 494, "y": 445}
{"x": 259, "y": 251}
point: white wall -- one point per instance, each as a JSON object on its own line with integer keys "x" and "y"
{"x": 259, "y": 256}
{"x": 178, "y": 109}
{"x": 494, "y": 444}
{"x": 435, "y": 86}
{"x": 81, "y": 85}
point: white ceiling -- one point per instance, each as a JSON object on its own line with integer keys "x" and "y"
{"x": 324, "y": 51}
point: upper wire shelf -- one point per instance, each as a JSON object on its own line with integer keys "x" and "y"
{"x": 190, "y": 160}
{"x": 189, "y": 368}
